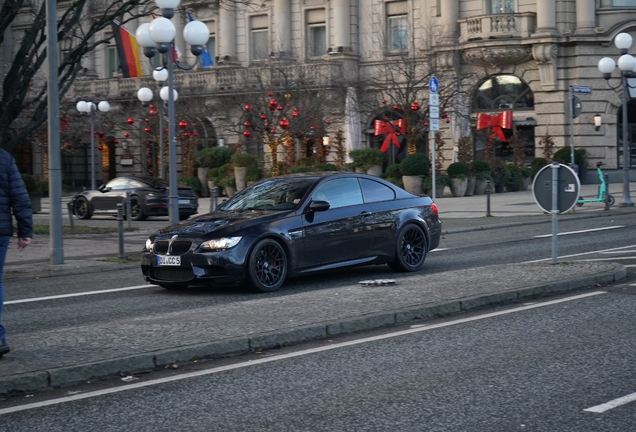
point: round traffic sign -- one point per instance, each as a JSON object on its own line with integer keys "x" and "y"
{"x": 568, "y": 187}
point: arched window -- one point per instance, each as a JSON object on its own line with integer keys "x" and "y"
{"x": 501, "y": 93}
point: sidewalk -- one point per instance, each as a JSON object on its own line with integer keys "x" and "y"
{"x": 141, "y": 344}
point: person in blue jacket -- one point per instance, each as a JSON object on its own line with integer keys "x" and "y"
{"x": 14, "y": 201}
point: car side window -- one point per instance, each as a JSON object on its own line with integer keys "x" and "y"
{"x": 118, "y": 184}
{"x": 339, "y": 192}
{"x": 374, "y": 191}
{"x": 136, "y": 184}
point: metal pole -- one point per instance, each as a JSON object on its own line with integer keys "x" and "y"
{"x": 572, "y": 129}
{"x": 128, "y": 210}
{"x": 488, "y": 199}
{"x": 555, "y": 212}
{"x": 213, "y": 195}
{"x": 162, "y": 169}
{"x": 627, "y": 201}
{"x": 173, "y": 196}
{"x": 92, "y": 107}
{"x": 606, "y": 198}
{"x": 433, "y": 161}
{"x": 55, "y": 167}
{"x": 71, "y": 221}
{"x": 120, "y": 225}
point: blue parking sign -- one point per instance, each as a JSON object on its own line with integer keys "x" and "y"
{"x": 433, "y": 84}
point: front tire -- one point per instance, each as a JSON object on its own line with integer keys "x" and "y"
{"x": 411, "y": 249}
{"x": 81, "y": 208}
{"x": 579, "y": 204}
{"x": 612, "y": 201}
{"x": 267, "y": 266}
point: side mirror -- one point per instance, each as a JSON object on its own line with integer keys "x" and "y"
{"x": 104, "y": 188}
{"x": 317, "y": 206}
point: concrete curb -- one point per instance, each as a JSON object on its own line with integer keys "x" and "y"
{"x": 152, "y": 360}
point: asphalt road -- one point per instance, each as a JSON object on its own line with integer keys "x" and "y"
{"x": 528, "y": 370}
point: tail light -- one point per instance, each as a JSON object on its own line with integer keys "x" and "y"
{"x": 434, "y": 208}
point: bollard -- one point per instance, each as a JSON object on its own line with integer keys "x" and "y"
{"x": 607, "y": 200}
{"x": 71, "y": 220}
{"x": 128, "y": 210}
{"x": 488, "y": 199}
{"x": 120, "y": 222}
{"x": 213, "y": 194}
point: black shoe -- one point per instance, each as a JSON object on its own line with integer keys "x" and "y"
{"x": 4, "y": 347}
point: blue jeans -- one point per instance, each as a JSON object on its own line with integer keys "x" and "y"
{"x": 4, "y": 245}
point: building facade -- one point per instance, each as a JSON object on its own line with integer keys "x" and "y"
{"x": 490, "y": 56}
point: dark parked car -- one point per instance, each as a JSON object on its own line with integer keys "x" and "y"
{"x": 148, "y": 197}
{"x": 291, "y": 225}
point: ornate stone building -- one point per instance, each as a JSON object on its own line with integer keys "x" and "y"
{"x": 490, "y": 56}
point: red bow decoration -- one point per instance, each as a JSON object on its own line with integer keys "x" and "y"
{"x": 392, "y": 130}
{"x": 497, "y": 122}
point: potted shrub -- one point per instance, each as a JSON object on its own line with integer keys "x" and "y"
{"x": 35, "y": 192}
{"x": 536, "y": 165}
{"x": 193, "y": 182}
{"x": 441, "y": 183}
{"x": 226, "y": 180}
{"x": 481, "y": 171}
{"x": 368, "y": 160}
{"x": 564, "y": 156}
{"x": 253, "y": 175}
{"x": 413, "y": 168}
{"x": 499, "y": 172}
{"x": 514, "y": 178}
{"x": 242, "y": 162}
{"x": 458, "y": 173}
{"x": 393, "y": 174}
{"x": 210, "y": 157}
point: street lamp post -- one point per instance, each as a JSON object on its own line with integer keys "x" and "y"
{"x": 91, "y": 108}
{"x": 145, "y": 95}
{"x": 159, "y": 36}
{"x": 627, "y": 65}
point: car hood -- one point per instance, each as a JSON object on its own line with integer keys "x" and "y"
{"x": 215, "y": 222}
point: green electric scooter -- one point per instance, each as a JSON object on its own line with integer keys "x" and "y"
{"x": 602, "y": 190}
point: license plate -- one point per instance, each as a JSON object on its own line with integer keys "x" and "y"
{"x": 184, "y": 201}
{"x": 165, "y": 260}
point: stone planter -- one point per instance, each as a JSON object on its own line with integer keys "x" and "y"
{"x": 458, "y": 186}
{"x": 480, "y": 187}
{"x": 239, "y": 176}
{"x": 375, "y": 170}
{"x": 359, "y": 170}
{"x": 527, "y": 181}
{"x": 211, "y": 187}
{"x": 500, "y": 185}
{"x": 470, "y": 187}
{"x": 202, "y": 174}
{"x": 230, "y": 191}
{"x": 36, "y": 204}
{"x": 413, "y": 184}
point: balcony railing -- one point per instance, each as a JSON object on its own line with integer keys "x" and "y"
{"x": 499, "y": 26}
{"x": 219, "y": 80}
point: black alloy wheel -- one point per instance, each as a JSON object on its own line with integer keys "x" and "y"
{"x": 267, "y": 266}
{"x": 411, "y": 249}
{"x": 81, "y": 209}
{"x": 136, "y": 209}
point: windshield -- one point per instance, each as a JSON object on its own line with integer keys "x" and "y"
{"x": 275, "y": 194}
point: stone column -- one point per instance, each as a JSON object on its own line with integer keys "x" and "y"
{"x": 546, "y": 17}
{"x": 227, "y": 33}
{"x": 342, "y": 24}
{"x": 585, "y": 16}
{"x": 282, "y": 18}
{"x": 450, "y": 14}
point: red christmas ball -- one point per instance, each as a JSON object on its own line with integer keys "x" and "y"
{"x": 273, "y": 102}
{"x": 272, "y": 131}
{"x": 263, "y": 116}
{"x": 153, "y": 112}
{"x": 100, "y": 148}
{"x": 396, "y": 107}
{"x": 36, "y": 135}
{"x": 312, "y": 127}
{"x": 183, "y": 124}
{"x": 166, "y": 130}
{"x": 270, "y": 94}
{"x": 247, "y": 124}
{"x": 447, "y": 120}
{"x": 415, "y": 106}
{"x": 279, "y": 107}
{"x": 131, "y": 120}
{"x": 126, "y": 134}
{"x": 147, "y": 119}
{"x": 284, "y": 123}
{"x": 195, "y": 133}
{"x": 295, "y": 113}
{"x": 383, "y": 101}
{"x": 248, "y": 107}
{"x": 186, "y": 134}
{"x": 328, "y": 122}
{"x": 115, "y": 141}
{"x": 150, "y": 171}
{"x": 101, "y": 133}
{"x": 246, "y": 134}
{"x": 147, "y": 129}
{"x": 426, "y": 124}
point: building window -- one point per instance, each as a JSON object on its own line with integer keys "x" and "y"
{"x": 397, "y": 26}
{"x": 259, "y": 37}
{"x": 316, "y": 33}
{"x": 501, "y": 6}
{"x": 623, "y": 3}
{"x": 212, "y": 46}
{"x": 112, "y": 61}
{"x": 64, "y": 54}
{"x": 502, "y": 93}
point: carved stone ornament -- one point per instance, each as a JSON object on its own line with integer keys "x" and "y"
{"x": 497, "y": 57}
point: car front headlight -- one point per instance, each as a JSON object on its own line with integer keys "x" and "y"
{"x": 220, "y": 244}
{"x": 149, "y": 244}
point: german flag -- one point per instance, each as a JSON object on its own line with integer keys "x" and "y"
{"x": 127, "y": 51}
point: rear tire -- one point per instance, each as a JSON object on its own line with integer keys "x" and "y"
{"x": 410, "y": 250}
{"x": 612, "y": 201}
{"x": 81, "y": 208}
{"x": 267, "y": 266}
{"x": 579, "y": 204}
{"x": 136, "y": 209}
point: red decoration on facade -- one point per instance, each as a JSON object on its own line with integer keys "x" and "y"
{"x": 295, "y": 113}
{"x": 279, "y": 107}
{"x": 153, "y": 112}
{"x": 392, "y": 131}
{"x": 496, "y": 123}
{"x": 263, "y": 117}
{"x": 247, "y": 134}
{"x": 131, "y": 120}
{"x": 447, "y": 120}
{"x": 126, "y": 134}
{"x": 284, "y": 123}
{"x": 415, "y": 106}
{"x": 396, "y": 107}
{"x": 100, "y": 148}
{"x": 115, "y": 141}
{"x": 247, "y": 124}
{"x": 183, "y": 124}
{"x": 186, "y": 134}
{"x": 147, "y": 129}
{"x": 383, "y": 101}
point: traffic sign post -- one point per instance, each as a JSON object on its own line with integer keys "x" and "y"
{"x": 573, "y": 110}
{"x": 556, "y": 189}
{"x": 433, "y": 121}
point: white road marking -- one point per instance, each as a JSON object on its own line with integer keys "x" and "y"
{"x": 580, "y": 254}
{"x": 606, "y": 259}
{"x": 439, "y": 249}
{"x": 617, "y": 252}
{"x": 80, "y": 294}
{"x": 581, "y": 231}
{"x": 612, "y": 404}
{"x": 274, "y": 358}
